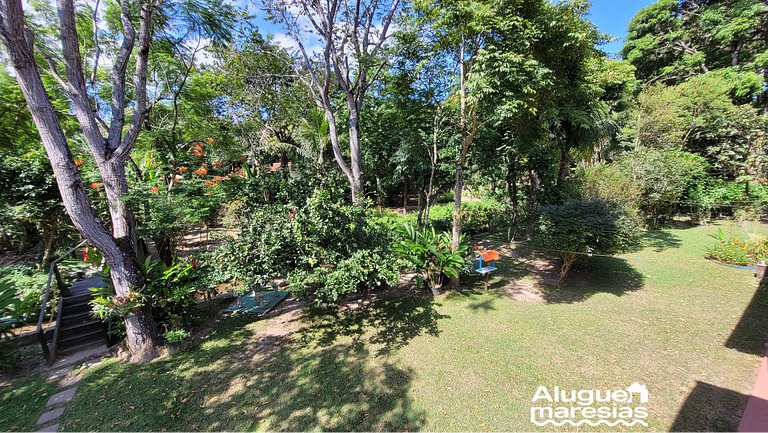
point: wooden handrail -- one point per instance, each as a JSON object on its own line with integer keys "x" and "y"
{"x": 55, "y": 340}
{"x": 53, "y": 269}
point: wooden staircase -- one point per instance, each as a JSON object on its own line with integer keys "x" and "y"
{"x": 76, "y": 328}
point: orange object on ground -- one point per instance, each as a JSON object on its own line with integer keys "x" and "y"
{"x": 490, "y": 256}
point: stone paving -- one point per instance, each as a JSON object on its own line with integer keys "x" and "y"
{"x": 65, "y": 376}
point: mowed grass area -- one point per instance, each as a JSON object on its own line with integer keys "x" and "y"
{"x": 22, "y": 401}
{"x": 686, "y": 327}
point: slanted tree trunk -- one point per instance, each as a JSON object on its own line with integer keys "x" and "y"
{"x": 49, "y": 235}
{"x": 467, "y": 133}
{"x": 118, "y": 247}
{"x": 433, "y": 159}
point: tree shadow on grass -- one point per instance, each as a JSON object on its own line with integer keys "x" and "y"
{"x": 591, "y": 275}
{"x": 239, "y": 379}
{"x": 710, "y": 408}
{"x": 387, "y": 323}
{"x": 660, "y": 240}
{"x": 751, "y": 333}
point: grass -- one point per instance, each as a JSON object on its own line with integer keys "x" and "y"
{"x": 690, "y": 329}
{"x": 22, "y": 401}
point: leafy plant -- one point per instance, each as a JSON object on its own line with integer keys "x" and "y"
{"x": 29, "y": 286}
{"x": 363, "y": 271}
{"x": 736, "y": 251}
{"x": 176, "y": 336}
{"x": 598, "y": 226}
{"x": 430, "y": 253}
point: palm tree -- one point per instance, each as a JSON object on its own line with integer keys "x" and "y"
{"x": 313, "y": 137}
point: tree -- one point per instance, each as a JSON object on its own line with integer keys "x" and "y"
{"x": 110, "y": 152}
{"x": 352, "y": 40}
{"x": 110, "y": 143}
{"x": 672, "y": 40}
{"x": 458, "y": 30}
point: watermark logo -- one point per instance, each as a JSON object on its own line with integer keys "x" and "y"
{"x": 593, "y": 407}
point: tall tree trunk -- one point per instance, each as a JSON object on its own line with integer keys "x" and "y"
{"x": 466, "y": 139}
{"x": 356, "y": 159}
{"x": 511, "y": 179}
{"x": 49, "y": 235}
{"x": 432, "y": 166}
{"x": 117, "y": 250}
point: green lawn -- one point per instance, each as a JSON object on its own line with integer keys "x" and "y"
{"x": 22, "y": 401}
{"x": 664, "y": 316}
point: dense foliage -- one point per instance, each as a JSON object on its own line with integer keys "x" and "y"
{"x": 594, "y": 226}
{"x": 431, "y": 255}
{"x": 464, "y": 118}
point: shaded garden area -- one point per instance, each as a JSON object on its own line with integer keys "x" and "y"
{"x": 388, "y": 364}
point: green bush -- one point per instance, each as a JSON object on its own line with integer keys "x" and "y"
{"x": 363, "y": 271}
{"x": 171, "y": 291}
{"x": 598, "y": 226}
{"x": 737, "y": 251}
{"x": 476, "y": 216}
{"x": 430, "y": 254}
{"x": 176, "y": 336}
{"x": 664, "y": 178}
{"x": 719, "y": 197}
{"x": 445, "y": 197}
{"x": 325, "y": 246}
{"x": 29, "y": 285}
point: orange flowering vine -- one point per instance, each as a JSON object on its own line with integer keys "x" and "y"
{"x": 79, "y": 162}
{"x": 154, "y": 190}
{"x": 202, "y": 171}
{"x": 96, "y": 185}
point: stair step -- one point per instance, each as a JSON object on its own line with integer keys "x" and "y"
{"x": 80, "y": 325}
{"x": 75, "y": 318}
{"x": 77, "y": 299}
{"x": 87, "y": 335}
{"x": 64, "y": 351}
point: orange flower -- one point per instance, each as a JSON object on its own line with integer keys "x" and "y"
{"x": 176, "y": 180}
{"x": 79, "y": 162}
{"x": 209, "y": 182}
{"x": 210, "y": 140}
{"x": 217, "y": 164}
{"x": 154, "y": 190}
{"x": 182, "y": 169}
{"x": 96, "y": 185}
{"x": 202, "y": 171}
{"x": 199, "y": 153}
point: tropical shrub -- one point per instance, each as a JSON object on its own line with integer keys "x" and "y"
{"x": 29, "y": 285}
{"x": 325, "y": 246}
{"x": 719, "y": 197}
{"x": 737, "y": 251}
{"x": 171, "y": 291}
{"x": 664, "y": 178}
{"x": 609, "y": 181}
{"x": 363, "y": 271}
{"x": 597, "y": 226}
{"x": 9, "y": 304}
{"x": 430, "y": 254}
{"x": 176, "y": 336}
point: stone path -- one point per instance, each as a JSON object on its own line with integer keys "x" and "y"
{"x": 67, "y": 379}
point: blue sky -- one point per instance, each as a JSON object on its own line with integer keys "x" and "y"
{"x": 610, "y": 16}
{"x": 613, "y": 16}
